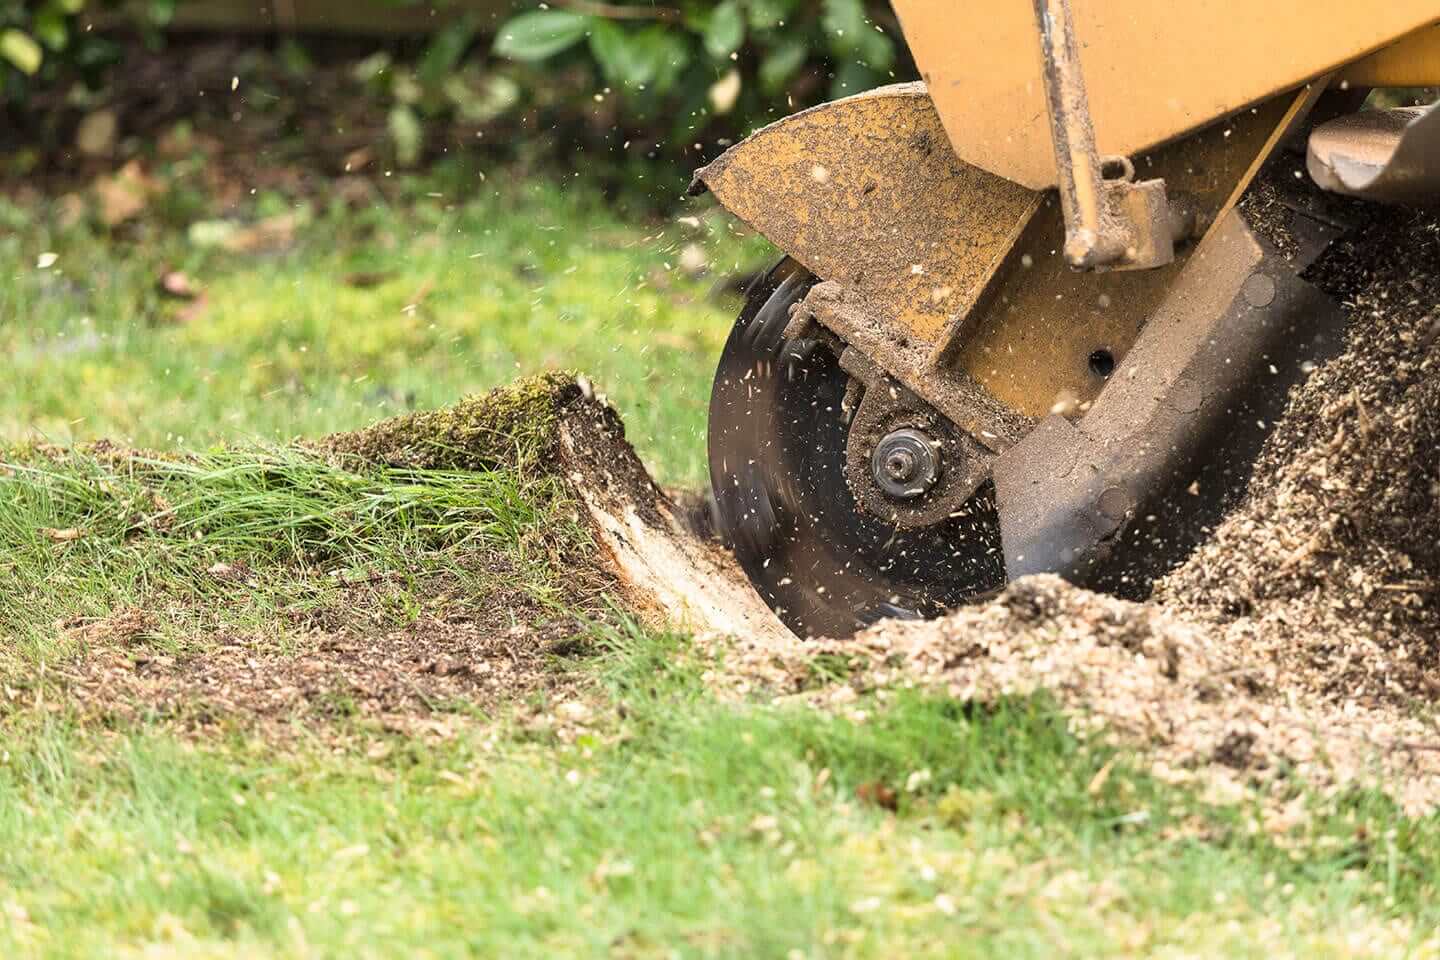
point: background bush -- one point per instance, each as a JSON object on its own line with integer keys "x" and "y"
{"x": 45, "y": 41}
{"x": 699, "y": 63}
{"x": 631, "y": 81}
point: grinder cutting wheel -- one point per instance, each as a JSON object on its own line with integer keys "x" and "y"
{"x": 991, "y": 349}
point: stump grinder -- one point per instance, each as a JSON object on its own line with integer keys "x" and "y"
{"x": 1037, "y": 312}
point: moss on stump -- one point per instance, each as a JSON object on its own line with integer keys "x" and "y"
{"x": 511, "y": 426}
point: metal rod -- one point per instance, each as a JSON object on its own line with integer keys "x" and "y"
{"x": 1079, "y": 174}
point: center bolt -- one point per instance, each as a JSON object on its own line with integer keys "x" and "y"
{"x": 905, "y": 464}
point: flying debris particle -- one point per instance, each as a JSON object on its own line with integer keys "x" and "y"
{"x": 1066, "y": 404}
{"x": 177, "y": 285}
{"x": 693, "y": 261}
{"x": 725, "y": 92}
{"x": 95, "y": 136}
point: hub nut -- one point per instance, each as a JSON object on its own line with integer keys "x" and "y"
{"x": 905, "y": 464}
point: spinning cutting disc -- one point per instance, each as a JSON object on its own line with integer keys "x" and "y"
{"x": 777, "y": 468}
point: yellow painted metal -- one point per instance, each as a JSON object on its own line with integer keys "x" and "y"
{"x": 1032, "y": 335}
{"x": 1153, "y": 70}
{"x": 1411, "y": 62}
{"x": 867, "y": 191}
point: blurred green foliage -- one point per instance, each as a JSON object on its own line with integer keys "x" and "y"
{"x": 699, "y": 64}
{"x": 674, "y": 80}
{"x": 43, "y": 40}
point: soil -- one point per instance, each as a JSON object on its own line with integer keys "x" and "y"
{"x": 400, "y": 677}
{"x": 216, "y": 119}
{"x": 261, "y": 119}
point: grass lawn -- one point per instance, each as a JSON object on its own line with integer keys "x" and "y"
{"x": 410, "y": 303}
{"x": 685, "y": 827}
{"x": 611, "y": 805}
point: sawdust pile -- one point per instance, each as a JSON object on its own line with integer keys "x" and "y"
{"x": 1136, "y": 674}
{"x": 1331, "y": 568}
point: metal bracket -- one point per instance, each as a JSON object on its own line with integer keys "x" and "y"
{"x": 885, "y": 410}
{"x": 1111, "y": 501}
{"x": 1111, "y": 222}
{"x": 845, "y": 314}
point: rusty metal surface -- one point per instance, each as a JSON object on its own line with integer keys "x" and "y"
{"x": 964, "y": 465}
{"x": 1173, "y": 436}
{"x": 867, "y": 191}
{"x": 1023, "y": 347}
{"x": 1154, "y": 70}
{"x": 843, "y": 311}
{"x": 1390, "y": 155}
{"x": 1111, "y": 221}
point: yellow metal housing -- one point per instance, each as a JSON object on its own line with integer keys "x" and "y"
{"x": 1154, "y": 70}
{"x": 962, "y": 265}
{"x": 867, "y": 191}
{"x": 1412, "y": 62}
